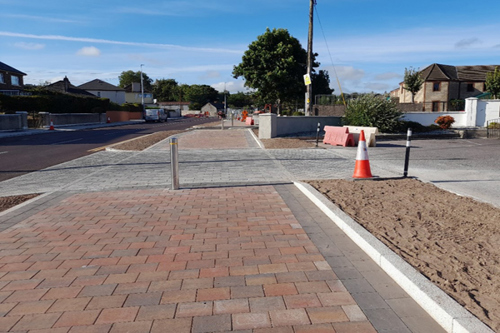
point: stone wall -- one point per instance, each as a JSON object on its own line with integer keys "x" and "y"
{"x": 329, "y": 110}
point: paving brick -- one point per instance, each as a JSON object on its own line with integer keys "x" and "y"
{"x": 243, "y": 270}
{"x": 104, "y": 302}
{"x": 116, "y": 315}
{"x": 243, "y": 321}
{"x": 194, "y": 309}
{"x": 354, "y": 327}
{"x": 289, "y": 317}
{"x": 91, "y": 329}
{"x": 69, "y": 304}
{"x": 25, "y": 308}
{"x": 229, "y": 281}
{"x": 327, "y": 315}
{"x": 8, "y": 322}
{"x": 179, "y": 296}
{"x": 291, "y": 277}
{"x": 121, "y": 278}
{"x": 177, "y": 325}
{"x": 60, "y": 293}
{"x": 266, "y": 304}
{"x": 280, "y": 289}
{"x": 282, "y": 329}
{"x": 184, "y": 274}
{"x": 36, "y": 321}
{"x": 231, "y": 306}
{"x": 77, "y": 318}
{"x": 197, "y": 283}
{"x": 260, "y": 279}
{"x": 302, "y": 301}
{"x": 312, "y": 287}
{"x": 316, "y": 328}
{"x": 5, "y": 308}
{"x": 247, "y": 291}
{"x": 131, "y": 288}
{"x": 336, "y": 298}
{"x": 213, "y": 294}
{"x": 321, "y": 275}
{"x": 213, "y": 272}
{"x": 26, "y": 295}
{"x": 22, "y": 285}
{"x": 354, "y": 313}
{"x": 155, "y": 312}
{"x": 152, "y": 276}
{"x": 217, "y": 323}
{"x": 165, "y": 285}
{"x": 143, "y": 299}
{"x": 100, "y": 290}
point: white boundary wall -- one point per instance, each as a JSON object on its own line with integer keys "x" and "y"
{"x": 477, "y": 113}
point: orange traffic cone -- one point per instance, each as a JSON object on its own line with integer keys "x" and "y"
{"x": 362, "y": 167}
{"x": 51, "y": 128}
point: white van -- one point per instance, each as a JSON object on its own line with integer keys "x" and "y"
{"x": 157, "y": 115}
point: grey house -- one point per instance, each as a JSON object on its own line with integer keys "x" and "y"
{"x": 11, "y": 80}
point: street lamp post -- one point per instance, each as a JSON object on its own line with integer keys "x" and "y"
{"x": 142, "y": 89}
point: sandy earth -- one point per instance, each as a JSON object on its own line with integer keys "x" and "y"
{"x": 453, "y": 240}
{"x": 9, "y": 202}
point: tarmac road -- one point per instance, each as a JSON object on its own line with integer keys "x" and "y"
{"x": 24, "y": 154}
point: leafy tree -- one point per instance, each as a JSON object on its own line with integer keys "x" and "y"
{"x": 240, "y": 100}
{"x": 274, "y": 65}
{"x": 166, "y": 90}
{"x": 128, "y": 77}
{"x": 412, "y": 82}
{"x": 199, "y": 95}
{"x": 321, "y": 84}
{"x": 493, "y": 83}
{"x": 373, "y": 111}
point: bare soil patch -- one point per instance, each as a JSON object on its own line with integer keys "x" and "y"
{"x": 452, "y": 240}
{"x": 284, "y": 143}
{"x": 9, "y": 202}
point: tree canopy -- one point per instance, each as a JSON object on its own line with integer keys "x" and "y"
{"x": 493, "y": 83}
{"x": 128, "y": 77}
{"x": 166, "y": 90}
{"x": 274, "y": 65}
{"x": 240, "y": 100}
{"x": 412, "y": 82}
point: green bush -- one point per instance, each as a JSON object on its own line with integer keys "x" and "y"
{"x": 298, "y": 113}
{"x": 415, "y": 127}
{"x": 494, "y": 125}
{"x": 373, "y": 111}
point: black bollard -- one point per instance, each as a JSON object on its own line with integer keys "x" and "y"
{"x": 407, "y": 157}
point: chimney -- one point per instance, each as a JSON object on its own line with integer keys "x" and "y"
{"x": 66, "y": 84}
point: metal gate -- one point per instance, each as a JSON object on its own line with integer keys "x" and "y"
{"x": 493, "y": 128}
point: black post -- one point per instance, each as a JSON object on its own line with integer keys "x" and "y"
{"x": 407, "y": 157}
{"x": 317, "y": 134}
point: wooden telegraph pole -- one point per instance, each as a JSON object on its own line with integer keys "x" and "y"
{"x": 309, "y": 103}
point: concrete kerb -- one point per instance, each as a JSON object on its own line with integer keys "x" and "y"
{"x": 446, "y": 311}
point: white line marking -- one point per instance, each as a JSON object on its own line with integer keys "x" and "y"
{"x": 3, "y": 152}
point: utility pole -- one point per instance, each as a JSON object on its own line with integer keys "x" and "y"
{"x": 308, "y": 107}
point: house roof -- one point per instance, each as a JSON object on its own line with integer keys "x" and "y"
{"x": 130, "y": 88}
{"x": 7, "y": 68}
{"x": 99, "y": 85}
{"x": 64, "y": 86}
{"x": 174, "y": 103}
{"x": 439, "y": 72}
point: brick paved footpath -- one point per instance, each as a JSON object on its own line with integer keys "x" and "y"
{"x": 213, "y": 259}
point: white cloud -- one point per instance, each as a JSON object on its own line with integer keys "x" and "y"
{"x": 89, "y": 51}
{"x": 210, "y": 75}
{"x": 232, "y": 86}
{"x": 114, "y": 42}
{"x": 377, "y": 87}
{"x": 40, "y": 18}
{"x": 29, "y": 46}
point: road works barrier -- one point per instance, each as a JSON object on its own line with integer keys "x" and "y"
{"x": 338, "y": 136}
{"x": 249, "y": 121}
{"x": 370, "y": 133}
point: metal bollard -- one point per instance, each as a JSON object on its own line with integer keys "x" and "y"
{"x": 317, "y": 134}
{"x": 407, "y": 157}
{"x": 222, "y": 123}
{"x": 174, "y": 162}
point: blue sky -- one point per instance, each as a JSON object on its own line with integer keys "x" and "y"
{"x": 371, "y": 42}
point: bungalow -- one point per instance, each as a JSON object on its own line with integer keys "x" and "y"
{"x": 11, "y": 80}
{"x": 65, "y": 87}
{"x": 133, "y": 94}
{"x": 103, "y": 89}
{"x": 445, "y": 83}
{"x": 212, "y": 108}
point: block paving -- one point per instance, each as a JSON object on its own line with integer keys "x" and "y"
{"x": 199, "y": 260}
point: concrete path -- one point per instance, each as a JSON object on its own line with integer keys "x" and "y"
{"x": 110, "y": 249}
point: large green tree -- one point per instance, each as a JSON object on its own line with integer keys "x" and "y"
{"x": 127, "y": 77}
{"x": 274, "y": 65}
{"x": 166, "y": 90}
{"x": 199, "y": 95}
{"x": 493, "y": 83}
{"x": 412, "y": 82}
{"x": 240, "y": 100}
{"x": 321, "y": 84}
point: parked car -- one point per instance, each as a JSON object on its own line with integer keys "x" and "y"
{"x": 157, "y": 115}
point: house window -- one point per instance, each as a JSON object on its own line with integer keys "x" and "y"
{"x": 14, "y": 80}
{"x": 98, "y": 94}
{"x": 435, "y": 106}
{"x": 470, "y": 87}
{"x": 1, "y": 78}
{"x": 436, "y": 86}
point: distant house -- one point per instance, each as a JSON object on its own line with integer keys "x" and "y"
{"x": 11, "y": 80}
{"x": 103, "y": 89}
{"x": 65, "y": 87}
{"x": 133, "y": 94}
{"x": 212, "y": 108}
{"x": 184, "y": 106}
{"x": 444, "y": 83}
